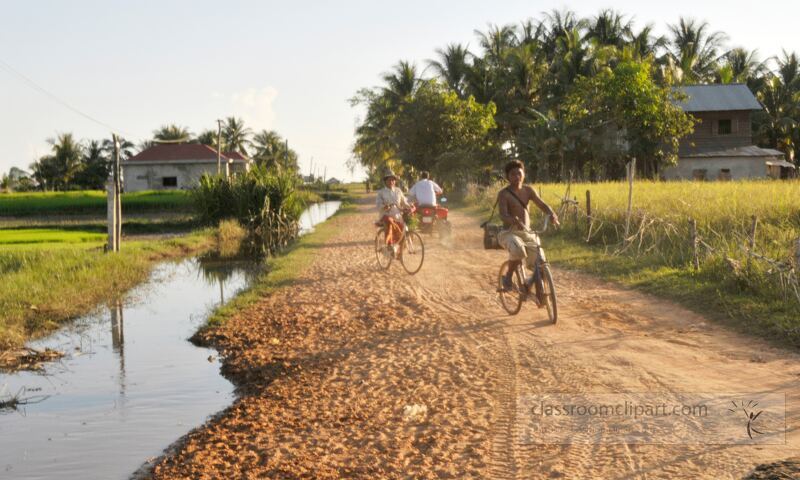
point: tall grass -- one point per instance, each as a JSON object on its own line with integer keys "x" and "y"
{"x": 659, "y": 232}
{"x": 264, "y": 202}
{"x": 723, "y": 211}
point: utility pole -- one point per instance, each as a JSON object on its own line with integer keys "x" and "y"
{"x": 219, "y": 146}
{"x": 118, "y": 183}
{"x": 114, "y": 201}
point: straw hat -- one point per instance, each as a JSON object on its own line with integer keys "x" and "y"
{"x": 388, "y": 173}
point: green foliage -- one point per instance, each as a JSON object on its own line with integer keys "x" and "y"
{"x": 640, "y": 115}
{"x": 572, "y": 96}
{"x": 435, "y": 126}
{"x": 262, "y": 201}
{"x": 46, "y": 235}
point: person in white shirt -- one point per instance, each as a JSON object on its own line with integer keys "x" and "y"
{"x": 425, "y": 190}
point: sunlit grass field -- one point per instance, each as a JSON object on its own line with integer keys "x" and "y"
{"x": 723, "y": 211}
{"x": 89, "y": 202}
{"x": 27, "y": 236}
{"x": 656, "y": 256}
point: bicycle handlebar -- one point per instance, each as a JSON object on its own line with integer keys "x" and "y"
{"x": 544, "y": 226}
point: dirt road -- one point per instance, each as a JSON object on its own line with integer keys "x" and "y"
{"x": 356, "y": 372}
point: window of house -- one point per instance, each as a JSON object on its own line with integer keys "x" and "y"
{"x": 724, "y": 127}
{"x": 699, "y": 174}
{"x": 170, "y": 181}
{"x": 724, "y": 174}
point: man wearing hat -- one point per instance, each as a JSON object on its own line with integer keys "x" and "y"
{"x": 391, "y": 202}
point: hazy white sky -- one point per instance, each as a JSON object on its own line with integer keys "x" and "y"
{"x": 283, "y": 65}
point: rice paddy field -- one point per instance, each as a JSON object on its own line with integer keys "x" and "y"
{"x": 89, "y": 202}
{"x": 22, "y": 236}
{"x": 758, "y": 287}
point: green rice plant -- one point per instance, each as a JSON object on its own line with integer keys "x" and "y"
{"x": 47, "y": 235}
{"x": 89, "y": 202}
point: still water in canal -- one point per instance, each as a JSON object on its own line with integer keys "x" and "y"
{"x": 131, "y": 383}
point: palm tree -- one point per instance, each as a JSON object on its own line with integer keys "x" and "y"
{"x": 400, "y": 83}
{"x": 645, "y": 44}
{"x": 95, "y": 167}
{"x": 56, "y": 171}
{"x": 235, "y": 136}
{"x": 609, "y": 28}
{"x": 269, "y": 149}
{"x": 207, "y": 137}
{"x": 452, "y": 67}
{"x": 695, "y": 50}
{"x": 125, "y": 149}
{"x": 171, "y": 134}
{"x": 555, "y": 26}
{"x": 789, "y": 71}
{"x": 497, "y": 43}
{"x": 741, "y": 66}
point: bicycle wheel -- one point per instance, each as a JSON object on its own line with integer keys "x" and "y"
{"x": 549, "y": 293}
{"x": 513, "y": 297}
{"x": 383, "y": 252}
{"x": 412, "y": 252}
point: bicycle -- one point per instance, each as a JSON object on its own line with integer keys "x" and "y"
{"x": 542, "y": 280}
{"x": 411, "y": 250}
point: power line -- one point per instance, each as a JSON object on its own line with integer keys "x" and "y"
{"x": 52, "y": 96}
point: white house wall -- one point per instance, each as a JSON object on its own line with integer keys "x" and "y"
{"x": 150, "y": 176}
{"x": 740, "y": 167}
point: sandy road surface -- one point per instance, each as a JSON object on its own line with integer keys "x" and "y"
{"x": 329, "y": 370}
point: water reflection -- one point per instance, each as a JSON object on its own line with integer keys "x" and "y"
{"x": 130, "y": 384}
{"x": 118, "y": 340}
{"x": 317, "y": 213}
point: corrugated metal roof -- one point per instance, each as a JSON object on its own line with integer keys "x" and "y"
{"x": 748, "y": 151}
{"x": 718, "y": 97}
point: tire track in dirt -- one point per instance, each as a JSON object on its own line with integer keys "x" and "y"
{"x": 327, "y": 369}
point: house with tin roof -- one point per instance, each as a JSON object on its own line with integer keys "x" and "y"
{"x": 721, "y": 146}
{"x": 177, "y": 166}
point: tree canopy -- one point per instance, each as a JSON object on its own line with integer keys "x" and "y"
{"x": 567, "y": 96}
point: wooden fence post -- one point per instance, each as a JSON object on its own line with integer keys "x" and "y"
{"x": 693, "y": 235}
{"x": 797, "y": 254}
{"x": 588, "y": 214}
{"x": 752, "y": 239}
{"x": 631, "y": 172}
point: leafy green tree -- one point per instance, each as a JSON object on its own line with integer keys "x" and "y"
{"x": 440, "y": 132}
{"x": 171, "y": 133}
{"x": 270, "y": 151}
{"x": 207, "y": 137}
{"x": 95, "y": 167}
{"x": 639, "y": 116}
{"x": 57, "y": 170}
{"x": 695, "y": 50}
{"x": 235, "y": 136}
{"x": 452, "y": 67}
{"x": 609, "y": 28}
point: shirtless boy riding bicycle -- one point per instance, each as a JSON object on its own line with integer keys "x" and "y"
{"x": 516, "y": 237}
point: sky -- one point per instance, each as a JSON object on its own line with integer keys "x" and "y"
{"x": 290, "y": 66}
